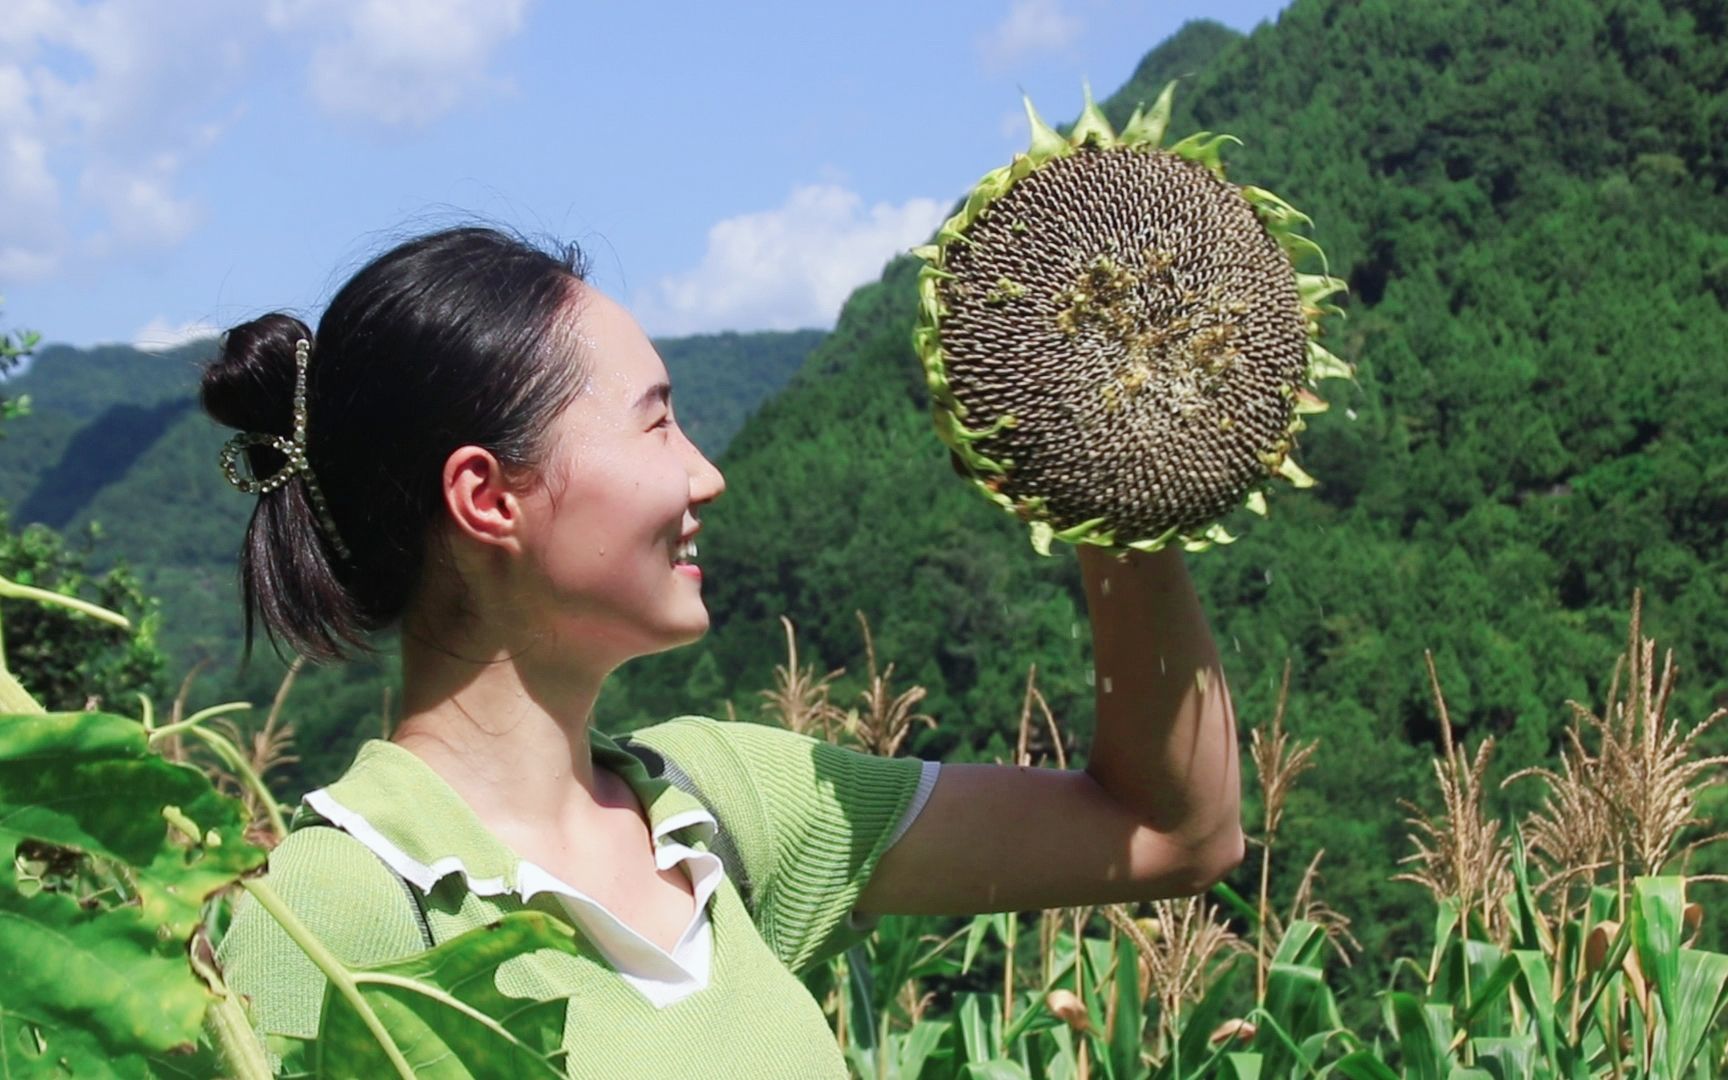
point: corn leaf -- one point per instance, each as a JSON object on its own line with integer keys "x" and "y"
{"x": 1099, "y": 960}
{"x": 1527, "y": 925}
{"x": 1363, "y": 1065}
{"x": 1505, "y": 1057}
{"x": 1298, "y": 1001}
{"x": 1130, "y": 1017}
{"x": 913, "y": 1049}
{"x": 1240, "y": 1066}
{"x": 1445, "y": 925}
{"x": 1192, "y": 1055}
{"x": 981, "y": 924}
{"x": 1483, "y": 963}
{"x": 1700, "y": 995}
{"x": 860, "y": 999}
{"x": 1658, "y": 905}
{"x": 978, "y": 1031}
{"x": 1423, "y": 1054}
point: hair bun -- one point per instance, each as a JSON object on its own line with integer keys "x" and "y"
{"x": 249, "y": 386}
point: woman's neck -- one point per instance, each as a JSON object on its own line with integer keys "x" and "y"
{"x": 507, "y": 730}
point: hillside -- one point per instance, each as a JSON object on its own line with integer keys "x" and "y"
{"x": 1528, "y": 202}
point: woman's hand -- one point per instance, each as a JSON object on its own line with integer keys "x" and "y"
{"x": 1155, "y": 813}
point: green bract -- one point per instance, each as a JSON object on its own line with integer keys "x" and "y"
{"x": 1116, "y": 338}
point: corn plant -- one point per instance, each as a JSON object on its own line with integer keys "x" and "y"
{"x": 1560, "y": 948}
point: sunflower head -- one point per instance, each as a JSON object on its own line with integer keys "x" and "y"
{"x": 1118, "y": 345}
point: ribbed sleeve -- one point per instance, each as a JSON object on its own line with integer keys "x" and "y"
{"x": 345, "y": 896}
{"x": 809, "y": 820}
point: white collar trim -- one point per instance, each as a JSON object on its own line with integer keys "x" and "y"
{"x": 661, "y": 977}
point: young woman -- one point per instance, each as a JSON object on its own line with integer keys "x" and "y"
{"x": 479, "y": 449}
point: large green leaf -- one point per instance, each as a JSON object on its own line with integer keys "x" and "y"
{"x": 1697, "y": 1004}
{"x": 1240, "y": 1066}
{"x": 1098, "y": 959}
{"x": 1363, "y": 1065}
{"x": 980, "y": 1026}
{"x": 1527, "y": 924}
{"x": 975, "y": 936}
{"x": 1658, "y": 913}
{"x": 1129, "y": 1019}
{"x": 1424, "y": 1056}
{"x": 860, "y": 999}
{"x": 94, "y": 986}
{"x": 1533, "y": 986}
{"x": 1490, "y": 991}
{"x": 1509, "y": 1058}
{"x": 1298, "y": 1001}
{"x": 443, "y": 1010}
{"x": 913, "y": 1049}
{"x": 1304, "y": 943}
{"x": 1446, "y": 919}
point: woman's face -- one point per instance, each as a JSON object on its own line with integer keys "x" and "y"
{"x": 617, "y": 501}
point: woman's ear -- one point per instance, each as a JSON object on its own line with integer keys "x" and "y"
{"x": 482, "y": 503}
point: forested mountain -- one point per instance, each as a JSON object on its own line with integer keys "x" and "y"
{"x": 1527, "y": 199}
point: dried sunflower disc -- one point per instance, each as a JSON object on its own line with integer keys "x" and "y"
{"x": 1116, "y": 338}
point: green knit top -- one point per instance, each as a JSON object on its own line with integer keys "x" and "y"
{"x": 807, "y": 820}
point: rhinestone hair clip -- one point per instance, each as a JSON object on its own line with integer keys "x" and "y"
{"x": 293, "y": 449}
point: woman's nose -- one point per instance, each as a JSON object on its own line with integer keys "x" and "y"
{"x": 706, "y": 481}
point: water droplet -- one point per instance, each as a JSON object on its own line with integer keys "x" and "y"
{"x": 1107, "y": 686}
{"x": 1161, "y": 669}
{"x": 1104, "y": 587}
{"x": 1091, "y": 674}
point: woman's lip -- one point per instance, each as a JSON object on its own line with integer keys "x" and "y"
{"x": 688, "y": 569}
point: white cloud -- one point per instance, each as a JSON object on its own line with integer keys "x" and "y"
{"x": 1031, "y": 26}
{"x": 100, "y": 105}
{"x": 105, "y": 104}
{"x": 789, "y": 267}
{"x": 31, "y": 235}
{"x": 160, "y": 335}
{"x": 142, "y": 209}
{"x": 400, "y": 63}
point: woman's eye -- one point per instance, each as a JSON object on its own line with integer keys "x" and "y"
{"x": 663, "y": 422}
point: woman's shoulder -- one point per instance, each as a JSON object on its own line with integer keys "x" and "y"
{"x": 317, "y": 853}
{"x": 340, "y": 892}
{"x": 334, "y": 885}
{"x": 735, "y": 743}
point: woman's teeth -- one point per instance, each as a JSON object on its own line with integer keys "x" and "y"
{"x": 687, "y": 551}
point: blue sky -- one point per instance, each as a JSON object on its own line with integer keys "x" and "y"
{"x": 170, "y": 167}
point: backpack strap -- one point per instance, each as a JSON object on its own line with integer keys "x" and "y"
{"x": 661, "y": 767}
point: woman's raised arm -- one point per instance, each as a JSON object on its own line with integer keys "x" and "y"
{"x": 1155, "y": 813}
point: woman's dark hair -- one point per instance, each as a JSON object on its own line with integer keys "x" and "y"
{"x": 458, "y": 338}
